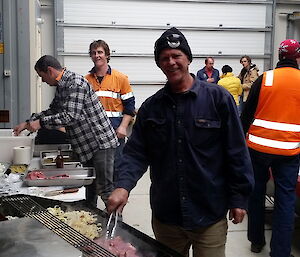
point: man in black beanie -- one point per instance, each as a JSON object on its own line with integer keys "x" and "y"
{"x": 190, "y": 135}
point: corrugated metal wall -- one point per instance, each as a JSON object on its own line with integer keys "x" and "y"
{"x": 16, "y": 93}
{"x": 225, "y": 30}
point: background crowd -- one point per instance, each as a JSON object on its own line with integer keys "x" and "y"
{"x": 238, "y": 86}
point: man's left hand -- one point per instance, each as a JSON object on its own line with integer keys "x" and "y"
{"x": 237, "y": 215}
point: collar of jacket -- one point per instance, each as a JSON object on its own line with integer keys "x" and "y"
{"x": 93, "y": 70}
{"x": 65, "y": 75}
{"x": 287, "y": 63}
{"x": 228, "y": 74}
{"x": 166, "y": 92}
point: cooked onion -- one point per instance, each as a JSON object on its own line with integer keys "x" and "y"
{"x": 82, "y": 221}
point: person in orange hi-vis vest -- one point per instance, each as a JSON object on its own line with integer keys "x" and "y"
{"x": 271, "y": 122}
{"x": 115, "y": 94}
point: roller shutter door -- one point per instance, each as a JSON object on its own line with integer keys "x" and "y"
{"x": 225, "y": 30}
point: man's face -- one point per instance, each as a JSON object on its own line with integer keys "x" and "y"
{"x": 174, "y": 64}
{"x": 210, "y": 63}
{"x": 49, "y": 77}
{"x": 245, "y": 62}
{"x": 98, "y": 56}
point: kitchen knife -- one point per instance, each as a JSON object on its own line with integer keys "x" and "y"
{"x": 64, "y": 191}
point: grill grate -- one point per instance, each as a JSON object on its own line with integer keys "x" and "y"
{"x": 28, "y": 207}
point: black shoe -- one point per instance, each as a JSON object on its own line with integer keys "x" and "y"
{"x": 256, "y": 248}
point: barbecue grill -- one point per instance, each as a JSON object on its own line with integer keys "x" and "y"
{"x": 35, "y": 208}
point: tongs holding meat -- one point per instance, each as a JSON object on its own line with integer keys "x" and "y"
{"x": 111, "y": 227}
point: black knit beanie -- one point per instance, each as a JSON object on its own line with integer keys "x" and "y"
{"x": 174, "y": 39}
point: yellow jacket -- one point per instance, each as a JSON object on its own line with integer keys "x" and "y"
{"x": 232, "y": 84}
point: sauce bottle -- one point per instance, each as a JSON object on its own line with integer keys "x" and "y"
{"x": 59, "y": 159}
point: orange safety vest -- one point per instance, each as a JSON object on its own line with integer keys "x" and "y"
{"x": 114, "y": 88}
{"x": 276, "y": 125}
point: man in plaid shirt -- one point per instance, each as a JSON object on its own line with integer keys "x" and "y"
{"x": 77, "y": 108}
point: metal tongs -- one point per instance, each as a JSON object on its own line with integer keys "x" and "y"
{"x": 111, "y": 230}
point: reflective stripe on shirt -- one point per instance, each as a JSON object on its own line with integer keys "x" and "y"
{"x": 269, "y": 78}
{"x": 111, "y": 114}
{"x": 273, "y": 143}
{"x": 108, "y": 94}
{"x": 277, "y": 125}
{"x": 127, "y": 96}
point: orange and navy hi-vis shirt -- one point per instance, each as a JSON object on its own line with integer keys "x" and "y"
{"x": 276, "y": 125}
{"x": 115, "y": 94}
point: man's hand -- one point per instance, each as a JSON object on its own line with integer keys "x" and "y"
{"x": 34, "y": 125}
{"x": 211, "y": 80}
{"x": 121, "y": 131}
{"x": 117, "y": 200}
{"x": 236, "y": 215}
{"x": 19, "y": 128}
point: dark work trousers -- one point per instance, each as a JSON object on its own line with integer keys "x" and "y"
{"x": 285, "y": 172}
{"x": 103, "y": 162}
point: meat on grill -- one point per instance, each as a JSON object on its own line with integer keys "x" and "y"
{"x": 118, "y": 247}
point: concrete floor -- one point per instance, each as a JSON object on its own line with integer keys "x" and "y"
{"x": 137, "y": 213}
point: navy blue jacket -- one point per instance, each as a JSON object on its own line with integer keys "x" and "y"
{"x": 201, "y": 74}
{"x": 199, "y": 163}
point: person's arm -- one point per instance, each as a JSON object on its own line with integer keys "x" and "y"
{"x": 128, "y": 102}
{"x": 237, "y": 215}
{"x": 247, "y": 115}
{"x": 253, "y": 75}
{"x": 117, "y": 200}
{"x": 217, "y": 76}
{"x": 122, "y": 129}
{"x": 200, "y": 75}
{"x": 19, "y": 128}
{"x": 237, "y": 162}
{"x": 134, "y": 165}
{"x": 33, "y": 123}
{"x": 240, "y": 90}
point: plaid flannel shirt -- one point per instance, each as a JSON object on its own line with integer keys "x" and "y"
{"x": 77, "y": 108}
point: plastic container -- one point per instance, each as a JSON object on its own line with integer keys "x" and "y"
{"x": 8, "y": 141}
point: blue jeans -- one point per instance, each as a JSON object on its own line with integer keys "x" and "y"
{"x": 103, "y": 162}
{"x": 285, "y": 172}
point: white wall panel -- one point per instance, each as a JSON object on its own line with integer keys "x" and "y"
{"x": 161, "y": 13}
{"x": 131, "y": 28}
{"x": 136, "y": 41}
{"x": 142, "y": 92}
{"x": 137, "y": 69}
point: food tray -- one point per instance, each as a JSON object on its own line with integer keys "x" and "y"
{"x": 77, "y": 177}
{"x": 48, "y": 158}
{"x": 49, "y": 147}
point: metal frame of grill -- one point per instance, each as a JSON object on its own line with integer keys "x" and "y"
{"x": 29, "y": 208}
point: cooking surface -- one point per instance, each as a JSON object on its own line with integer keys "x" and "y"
{"x": 26, "y": 237}
{"x": 145, "y": 245}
